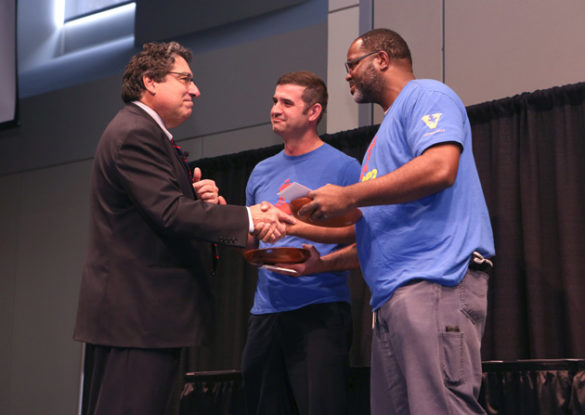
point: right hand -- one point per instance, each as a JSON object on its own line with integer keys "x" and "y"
{"x": 311, "y": 266}
{"x": 269, "y": 222}
{"x": 326, "y": 202}
{"x": 206, "y": 189}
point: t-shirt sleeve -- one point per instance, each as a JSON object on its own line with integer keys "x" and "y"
{"x": 351, "y": 172}
{"x": 434, "y": 118}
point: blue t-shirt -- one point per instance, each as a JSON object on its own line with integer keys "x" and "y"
{"x": 433, "y": 237}
{"x": 324, "y": 165}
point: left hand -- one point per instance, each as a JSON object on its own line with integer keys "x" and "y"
{"x": 311, "y": 266}
{"x": 206, "y": 189}
{"x": 327, "y": 201}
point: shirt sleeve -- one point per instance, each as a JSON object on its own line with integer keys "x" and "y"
{"x": 434, "y": 118}
{"x": 351, "y": 172}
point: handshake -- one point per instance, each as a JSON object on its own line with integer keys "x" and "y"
{"x": 269, "y": 222}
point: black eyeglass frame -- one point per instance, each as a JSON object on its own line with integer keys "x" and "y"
{"x": 185, "y": 77}
{"x": 352, "y": 63}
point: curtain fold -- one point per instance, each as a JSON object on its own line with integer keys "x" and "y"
{"x": 530, "y": 152}
{"x": 518, "y": 388}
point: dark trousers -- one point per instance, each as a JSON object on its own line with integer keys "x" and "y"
{"x": 297, "y": 362}
{"x": 128, "y": 381}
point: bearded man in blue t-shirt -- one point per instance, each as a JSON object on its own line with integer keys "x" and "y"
{"x": 296, "y": 358}
{"x": 424, "y": 240}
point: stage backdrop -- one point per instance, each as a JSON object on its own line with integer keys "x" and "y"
{"x": 530, "y": 153}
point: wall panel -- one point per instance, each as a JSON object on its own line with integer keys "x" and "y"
{"x": 49, "y": 251}
{"x": 419, "y": 22}
{"x": 501, "y": 48}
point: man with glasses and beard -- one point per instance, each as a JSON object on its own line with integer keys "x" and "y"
{"x": 424, "y": 240}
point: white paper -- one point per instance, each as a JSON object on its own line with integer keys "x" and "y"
{"x": 294, "y": 191}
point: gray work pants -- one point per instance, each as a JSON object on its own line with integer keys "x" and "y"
{"x": 426, "y": 349}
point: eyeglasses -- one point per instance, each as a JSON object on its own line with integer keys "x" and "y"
{"x": 352, "y": 63}
{"x": 184, "y": 77}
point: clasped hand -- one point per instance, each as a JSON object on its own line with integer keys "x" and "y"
{"x": 269, "y": 222}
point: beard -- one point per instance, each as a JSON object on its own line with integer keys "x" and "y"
{"x": 367, "y": 86}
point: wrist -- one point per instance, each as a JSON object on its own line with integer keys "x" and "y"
{"x": 351, "y": 195}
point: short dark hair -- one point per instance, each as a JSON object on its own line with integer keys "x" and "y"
{"x": 387, "y": 40}
{"x": 315, "y": 88}
{"x": 155, "y": 60}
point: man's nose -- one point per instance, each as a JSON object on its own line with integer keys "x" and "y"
{"x": 194, "y": 90}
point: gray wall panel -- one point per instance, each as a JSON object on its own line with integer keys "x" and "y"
{"x": 167, "y": 19}
{"x": 9, "y": 218}
{"x": 342, "y": 110}
{"x": 501, "y": 48}
{"x": 237, "y": 83}
{"x": 51, "y": 244}
{"x": 420, "y": 22}
{"x": 60, "y": 127}
{"x": 231, "y": 142}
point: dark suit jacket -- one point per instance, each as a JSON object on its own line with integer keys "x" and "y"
{"x": 145, "y": 281}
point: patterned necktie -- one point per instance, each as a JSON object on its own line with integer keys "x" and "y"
{"x": 183, "y": 157}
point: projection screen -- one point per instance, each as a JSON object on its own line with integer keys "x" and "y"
{"x": 8, "y": 74}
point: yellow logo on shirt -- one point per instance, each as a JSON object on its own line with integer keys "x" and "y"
{"x": 370, "y": 175}
{"x": 432, "y": 120}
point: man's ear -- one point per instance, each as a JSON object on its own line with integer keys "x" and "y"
{"x": 315, "y": 111}
{"x": 149, "y": 84}
{"x": 383, "y": 60}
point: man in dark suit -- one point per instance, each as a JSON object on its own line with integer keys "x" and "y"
{"x": 145, "y": 292}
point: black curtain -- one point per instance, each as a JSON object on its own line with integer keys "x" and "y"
{"x": 530, "y": 153}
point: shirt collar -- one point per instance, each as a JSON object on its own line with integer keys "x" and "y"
{"x": 155, "y": 117}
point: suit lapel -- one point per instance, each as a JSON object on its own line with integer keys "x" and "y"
{"x": 181, "y": 174}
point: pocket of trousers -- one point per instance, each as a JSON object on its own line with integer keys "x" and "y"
{"x": 473, "y": 296}
{"x": 452, "y": 345}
